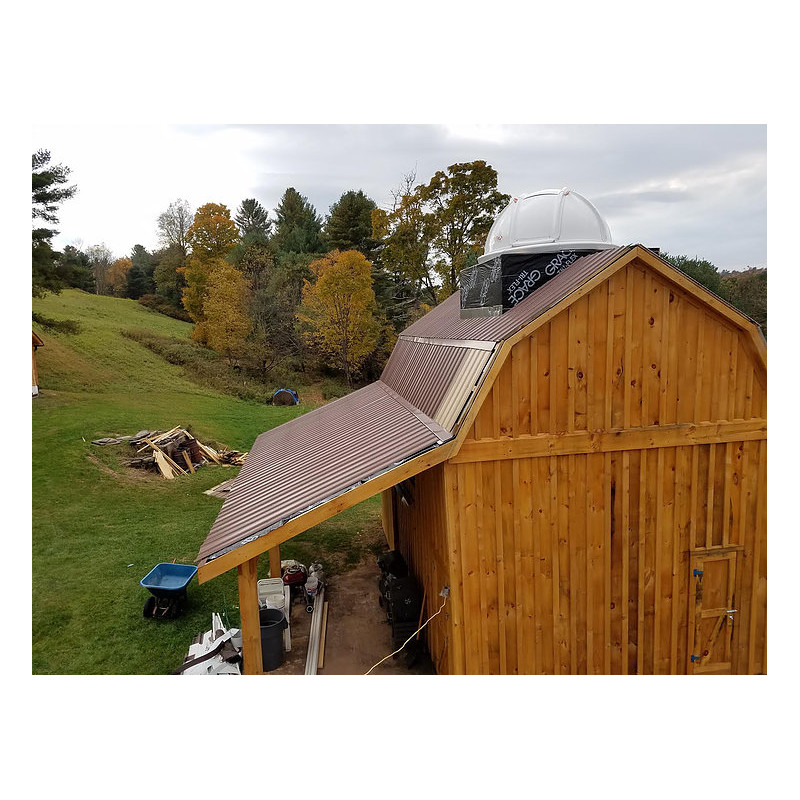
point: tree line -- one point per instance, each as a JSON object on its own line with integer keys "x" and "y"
{"x": 298, "y": 290}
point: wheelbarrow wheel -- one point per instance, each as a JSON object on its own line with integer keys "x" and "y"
{"x": 149, "y": 608}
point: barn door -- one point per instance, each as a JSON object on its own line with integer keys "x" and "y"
{"x": 713, "y": 578}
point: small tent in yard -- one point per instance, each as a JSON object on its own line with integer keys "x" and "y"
{"x": 585, "y": 471}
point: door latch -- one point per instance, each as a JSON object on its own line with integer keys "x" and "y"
{"x": 730, "y": 612}
{"x": 698, "y": 573}
{"x": 694, "y": 658}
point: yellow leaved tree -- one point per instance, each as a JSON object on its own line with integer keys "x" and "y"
{"x": 338, "y": 310}
{"x": 227, "y": 323}
{"x": 212, "y": 236}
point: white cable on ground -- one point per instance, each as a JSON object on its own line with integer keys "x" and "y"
{"x": 407, "y": 640}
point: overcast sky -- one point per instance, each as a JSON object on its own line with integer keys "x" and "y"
{"x": 689, "y": 189}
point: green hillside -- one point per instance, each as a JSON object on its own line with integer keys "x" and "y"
{"x": 99, "y": 526}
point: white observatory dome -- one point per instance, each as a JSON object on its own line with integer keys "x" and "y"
{"x": 549, "y": 220}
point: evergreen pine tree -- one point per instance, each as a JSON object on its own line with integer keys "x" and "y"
{"x": 297, "y": 226}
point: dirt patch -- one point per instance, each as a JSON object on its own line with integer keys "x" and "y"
{"x": 358, "y": 634}
{"x": 128, "y": 476}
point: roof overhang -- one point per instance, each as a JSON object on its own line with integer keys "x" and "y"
{"x": 317, "y": 465}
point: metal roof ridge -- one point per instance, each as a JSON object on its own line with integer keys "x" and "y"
{"x": 434, "y": 427}
{"x": 473, "y": 344}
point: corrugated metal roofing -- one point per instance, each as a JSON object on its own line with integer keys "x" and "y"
{"x": 444, "y": 321}
{"x": 317, "y": 456}
{"x": 436, "y": 376}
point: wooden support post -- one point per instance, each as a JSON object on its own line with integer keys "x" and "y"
{"x": 275, "y": 562}
{"x": 248, "y": 611}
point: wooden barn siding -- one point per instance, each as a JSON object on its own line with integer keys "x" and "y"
{"x": 636, "y": 351}
{"x": 580, "y": 563}
{"x": 422, "y": 539}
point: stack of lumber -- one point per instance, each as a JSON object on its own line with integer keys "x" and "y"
{"x": 173, "y": 452}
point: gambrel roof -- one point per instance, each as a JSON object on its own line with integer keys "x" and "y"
{"x": 414, "y": 417}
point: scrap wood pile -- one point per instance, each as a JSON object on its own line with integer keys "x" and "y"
{"x": 173, "y": 452}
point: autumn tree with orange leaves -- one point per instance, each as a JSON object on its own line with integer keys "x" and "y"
{"x": 338, "y": 310}
{"x": 117, "y": 276}
{"x": 211, "y": 237}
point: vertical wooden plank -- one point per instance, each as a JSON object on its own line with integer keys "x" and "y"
{"x": 564, "y": 568}
{"x": 529, "y": 377}
{"x": 743, "y": 368}
{"x": 247, "y": 574}
{"x": 597, "y": 357}
{"x": 595, "y": 563}
{"x": 608, "y": 383}
{"x": 482, "y": 574}
{"x": 469, "y": 567}
{"x": 701, "y": 409}
{"x": 642, "y": 534}
{"x": 618, "y": 348}
{"x": 748, "y": 399}
{"x": 578, "y": 532}
{"x": 726, "y": 494}
{"x": 658, "y": 544}
{"x": 559, "y": 381}
{"x": 505, "y": 418}
{"x": 625, "y": 503}
{"x": 275, "y": 562}
{"x": 525, "y": 514}
{"x": 572, "y": 540}
{"x": 545, "y": 583}
{"x": 627, "y": 369}
{"x": 715, "y": 373}
{"x": 539, "y": 591}
{"x": 521, "y": 386}
{"x": 491, "y": 565}
{"x": 510, "y": 565}
{"x": 523, "y": 660}
{"x": 606, "y": 549}
{"x": 634, "y": 569}
{"x": 500, "y": 566}
{"x": 579, "y": 363}
{"x": 712, "y": 452}
{"x": 452, "y": 524}
{"x": 759, "y": 542}
{"x": 680, "y": 565}
{"x": 559, "y": 641}
{"x": 688, "y": 369}
{"x": 668, "y": 358}
{"x": 733, "y": 361}
{"x": 541, "y": 402}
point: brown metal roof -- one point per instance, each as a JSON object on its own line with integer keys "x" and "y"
{"x": 436, "y": 377}
{"x": 444, "y": 321}
{"x": 302, "y": 463}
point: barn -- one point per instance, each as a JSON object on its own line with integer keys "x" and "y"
{"x": 584, "y": 470}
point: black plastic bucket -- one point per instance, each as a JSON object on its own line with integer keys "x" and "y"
{"x": 273, "y": 623}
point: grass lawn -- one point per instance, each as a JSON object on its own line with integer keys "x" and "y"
{"x": 99, "y": 527}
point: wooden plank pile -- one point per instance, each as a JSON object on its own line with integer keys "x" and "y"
{"x": 173, "y": 452}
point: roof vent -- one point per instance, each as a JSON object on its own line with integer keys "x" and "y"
{"x": 532, "y": 239}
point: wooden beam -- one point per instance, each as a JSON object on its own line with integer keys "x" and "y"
{"x": 615, "y": 440}
{"x": 303, "y": 522}
{"x": 248, "y": 612}
{"x": 275, "y": 562}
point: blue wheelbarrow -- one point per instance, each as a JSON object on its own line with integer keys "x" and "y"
{"x": 167, "y": 583}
